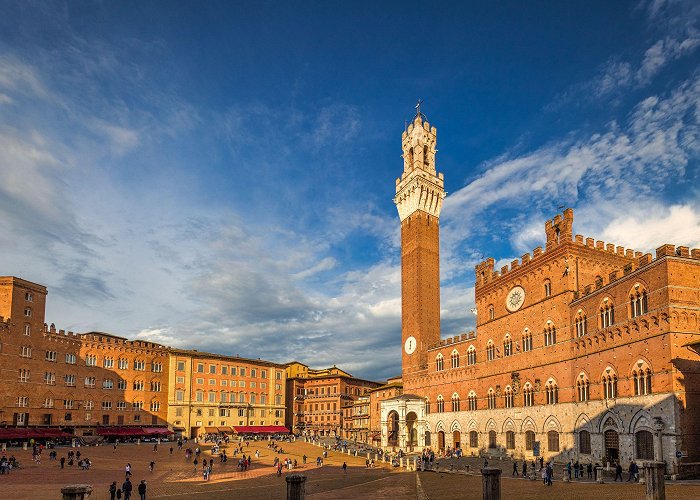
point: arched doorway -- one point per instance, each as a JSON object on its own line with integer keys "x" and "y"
{"x": 392, "y": 425}
{"x": 456, "y": 440}
{"x": 612, "y": 446}
{"x": 441, "y": 440}
{"x": 411, "y": 430}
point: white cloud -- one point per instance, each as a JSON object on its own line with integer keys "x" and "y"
{"x": 650, "y": 228}
{"x": 663, "y": 52}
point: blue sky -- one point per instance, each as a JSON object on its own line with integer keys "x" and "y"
{"x": 220, "y": 175}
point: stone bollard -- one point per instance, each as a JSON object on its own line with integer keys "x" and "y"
{"x": 368, "y": 457}
{"x": 566, "y": 476}
{"x": 654, "y": 479}
{"x": 491, "y": 480}
{"x": 76, "y": 492}
{"x": 4, "y": 446}
{"x": 295, "y": 487}
{"x": 24, "y": 445}
{"x": 599, "y": 475}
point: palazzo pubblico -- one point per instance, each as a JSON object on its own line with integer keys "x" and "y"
{"x": 584, "y": 350}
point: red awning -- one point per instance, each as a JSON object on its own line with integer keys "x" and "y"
{"x": 29, "y": 433}
{"x": 156, "y": 431}
{"x": 132, "y": 431}
{"x": 120, "y": 431}
{"x": 260, "y": 429}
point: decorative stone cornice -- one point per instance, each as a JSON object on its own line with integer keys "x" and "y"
{"x": 419, "y": 191}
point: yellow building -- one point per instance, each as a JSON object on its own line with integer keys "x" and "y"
{"x": 209, "y": 393}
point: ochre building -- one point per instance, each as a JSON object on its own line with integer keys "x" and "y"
{"x": 583, "y": 350}
{"x": 212, "y": 393}
{"x": 95, "y": 383}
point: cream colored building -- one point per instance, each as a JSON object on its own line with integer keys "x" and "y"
{"x": 214, "y": 393}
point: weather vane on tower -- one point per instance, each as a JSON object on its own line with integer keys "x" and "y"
{"x": 420, "y": 101}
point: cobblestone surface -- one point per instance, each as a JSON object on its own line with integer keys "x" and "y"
{"x": 174, "y": 477}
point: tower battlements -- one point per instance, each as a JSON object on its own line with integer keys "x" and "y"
{"x": 559, "y": 232}
{"x": 420, "y": 187}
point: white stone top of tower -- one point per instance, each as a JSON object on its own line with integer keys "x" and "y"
{"x": 420, "y": 187}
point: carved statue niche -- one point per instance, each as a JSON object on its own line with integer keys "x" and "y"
{"x": 515, "y": 382}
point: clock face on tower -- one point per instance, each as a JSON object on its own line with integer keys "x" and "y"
{"x": 410, "y": 345}
{"x": 515, "y": 298}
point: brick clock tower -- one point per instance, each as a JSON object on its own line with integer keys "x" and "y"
{"x": 419, "y": 194}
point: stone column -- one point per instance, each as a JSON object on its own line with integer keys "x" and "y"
{"x": 491, "y": 480}
{"x": 599, "y": 475}
{"x": 295, "y": 487}
{"x": 658, "y": 440}
{"x": 76, "y": 492}
{"x": 654, "y": 480}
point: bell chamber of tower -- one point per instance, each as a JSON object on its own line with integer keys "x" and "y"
{"x": 419, "y": 194}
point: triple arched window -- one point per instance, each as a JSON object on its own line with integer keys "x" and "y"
{"x": 609, "y": 383}
{"x": 440, "y": 404}
{"x": 582, "y": 387}
{"x": 472, "y": 401}
{"x": 528, "y": 395}
{"x": 508, "y": 397}
{"x": 607, "y": 313}
{"x": 439, "y": 363}
{"x": 471, "y": 355}
{"x": 527, "y": 340}
{"x": 552, "y": 392}
{"x": 491, "y": 399}
{"x": 454, "y": 359}
{"x": 490, "y": 351}
{"x": 639, "y": 303}
{"x": 455, "y": 402}
{"x": 507, "y": 346}
{"x": 641, "y": 378}
{"x": 550, "y": 334}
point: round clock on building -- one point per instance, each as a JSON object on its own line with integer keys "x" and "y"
{"x": 410, "y": 345}
{"x": 515, "y": 298}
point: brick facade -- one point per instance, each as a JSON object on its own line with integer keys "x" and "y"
{"x": 51, "y": 377}
{"x": 321, "y": 401}
{"x": 588, "y": 349}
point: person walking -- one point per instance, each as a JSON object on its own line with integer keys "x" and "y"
{"x": 63, "y": 462}
{"x": 515, "y": 469}
{"x": 618, "y": 471}
{"x": 113, "y": 490}
{"x": 345, "y": 468}
{"x": 126, "y": 489}
{"x": 142, "y": 489}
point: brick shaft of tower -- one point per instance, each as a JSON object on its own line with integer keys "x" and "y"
{"x": 419, "y": 195}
